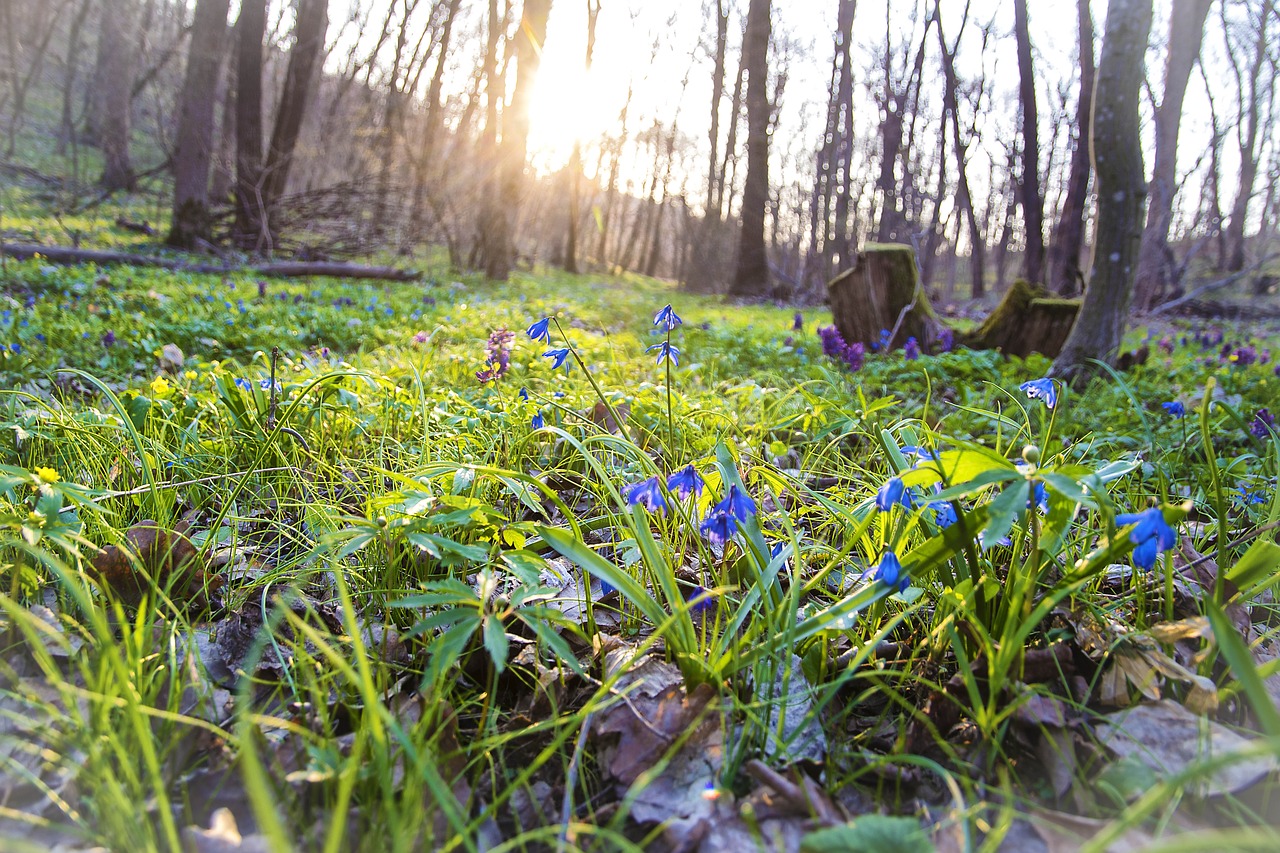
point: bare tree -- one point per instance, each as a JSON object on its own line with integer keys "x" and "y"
{"x": 1186, "y": 29}
{"x": 112, "y": 92}
{"x": 1065, "y": 276}
{"x": 751, "y": 279}
{"x": 829, "y": 238}
{"x": 1029, "y": 189}
{"x": 191, "y": 222}
{"x": 1257, "y": 86}
{"x": 498, "y": 239}
{"x": 1117, "y": 162}
{"x": 575, "y": 158}
{"x": 251, "y": 218}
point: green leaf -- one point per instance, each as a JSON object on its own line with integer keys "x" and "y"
{"x": 870, "y": 834}
{"x": 1004, "y": 510}
{"x": 359, "y": 537}
{"x": 495, "y": 641}
{"x": 960, "y": 466}
{"x": 1244, "y": 668}
{"x": 1258, "y": 565}
{"x": 581, "y": 555}
{"x": 437, "y": 545}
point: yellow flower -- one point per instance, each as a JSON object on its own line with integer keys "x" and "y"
{"x": 160, "y": 387}
{"x": 47, "y": 475}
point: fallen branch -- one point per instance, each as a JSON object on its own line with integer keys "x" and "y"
{"x": 283, "y": 269}
{"x": 1218, "y": 284}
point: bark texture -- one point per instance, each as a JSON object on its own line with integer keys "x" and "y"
{"x": 1027, "y": 320}
{"x": 1032, "y": 203}
{"x": 751, "y": 278}
{"x": 1065, "y": 275}
{"x": 1186, "y": 31}
{"x": 881, "y": 287}
{"x": 191, "y": 222}
{"x": 249, "y": 231}
{"x": 1117, "y": 162}
{"x": 112, "y": 87}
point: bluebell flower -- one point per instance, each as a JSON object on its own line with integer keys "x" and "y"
{"x": 667, "y": 318}
{"x": 920, "y": 453}
{"x": 665, "y": 351}
{"x": 15, "y": 348}
{"x": 889, "y": 570}
{"x": 719, "y": 526}
{"x": 1041, "y": 498}
{"x": 1174, "y": 408}
{"x": 911, "y": 349}
{"x": 537, "y": 422}
{"x": 944, "y": 513}
{"x": 1249, "y": 498}
{"x": 558, "y": 355}
{"x": 243, "y": 384}
{"x": 894, "y": 492}
{"x": 1151, "y": 534}
{"x": 265, "y": 385}
{"x": 685, "y": 482}
{"x": 524, "y": 394}
{"x": 1037, "y": 389}
{"x": 647, "y": 493}
{"x": 539, "y": 331}
{"x": 737, "y": 503}
{"x": 700, "y": 602}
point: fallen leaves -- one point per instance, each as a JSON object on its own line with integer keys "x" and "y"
{"x": 152, "y": 557}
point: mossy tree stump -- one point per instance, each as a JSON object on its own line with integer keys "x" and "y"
{"x": 870, "y": 297}
{"x": 1027, "y": 320}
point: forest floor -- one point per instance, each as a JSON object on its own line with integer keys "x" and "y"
{"x": 321, "y": 565}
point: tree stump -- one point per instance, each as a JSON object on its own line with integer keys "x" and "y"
{"x": 1027, "y": 320}
{"x": 882, "y": 286}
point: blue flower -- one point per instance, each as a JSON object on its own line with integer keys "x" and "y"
{"x": 1041, "y": 389}
{"x": 911, "y": 349}
{"x": 890, "y": 571}
{"x": 537, "y": 422}
{"x": 893, "y": 492}
{"x": 558, "y": 355}
{"x": 1174, "y": 408}
{"x": 944, "y": 513}
{"x": 920, "y": 453}
{"x": 539, "y": 331}
{"x": 1249, "y": 498}
{"x": 243, "y": 384}
{"x": 667, "y": 317}
{"x": 700, "y": 601}
{"x": 719, "y": 526}
{"x": 1041, "y": 499}
{"x": 647, "y": 493}
{"x": 737, "y": 504}
{"x": 524, "y": 394}
{"x": 1151, "y": 534}
{"x": 685, "y": 482}
{"x": 665, "y": 351}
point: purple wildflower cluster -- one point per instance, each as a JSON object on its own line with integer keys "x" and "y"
{"x": 833, "y": 346}
{"x": 497, "y": 353}
{"x": 1263, "y": 424}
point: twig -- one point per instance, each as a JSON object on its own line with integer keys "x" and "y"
{"x": 142, "y": 490}
{"x": 571, "y": 782}
{"x": 1213, "y": 285}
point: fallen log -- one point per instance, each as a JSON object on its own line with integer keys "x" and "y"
{"x": 65, "y": 256}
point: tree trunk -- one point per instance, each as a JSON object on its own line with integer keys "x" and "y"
{"x": 1258, "y": 83}
{"x": 717, "y": 96}
{"x": 881, "y": 287}
{"x": 964, "y": 196}
{"x": 304, "y": 58}
{"x": 1025, "y": 321}
{"x": 500, "y": 243}
{"x": 1117, "y": 161}
{"x": 191, "y": 222}
{"x": 1065, "y": 276}
{"x": 1186, "y": 29}
{"x": 115, "y": 80}
{"x": 249, "y": 231}
{"x": 1032, "y": 203}
{"x": 71, "y": 67}
{"x": 751, "y": 279}
{"x": 575, "y": 159}
{"x": 430, "y": 172}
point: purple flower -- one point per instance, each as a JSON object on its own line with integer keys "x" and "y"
{"x": 738, "y": 504}
{"x": 646, "y": 493}
{"x": 1166, "y": 344}
{"x": 497, "y": 355}
{"x": 558, "y": 357}
{"x": 1151, "y": 534}
{"x": 1262, "y": 423}
{"x": 1041, "y": 389}
{"x": 667, "y": 318}
{"x": 833, "y": 344}
{"x": 946, "y": 340}
{"x": 1174, "y": 408}
{"x": 539, "y": 331}
{"x": 797, "y": 325}
{"x": 700, "y": 601}
{"x": 262, "y": 289}
{"x": 665, "y": 352}
{"x": 911, "y": 349}
{"x": 1245, "y": 356}
{"x": 109, "y": 339}
{"x": 685, "y": 482}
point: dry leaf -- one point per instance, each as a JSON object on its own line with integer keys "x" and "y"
{"x": 152, "y": 555}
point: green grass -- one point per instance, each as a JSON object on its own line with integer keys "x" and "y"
{"x": 387, "y": 490}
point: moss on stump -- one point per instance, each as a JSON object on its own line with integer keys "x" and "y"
{"x": 881, "y": 285}
{"x": 1027, "y": 320}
